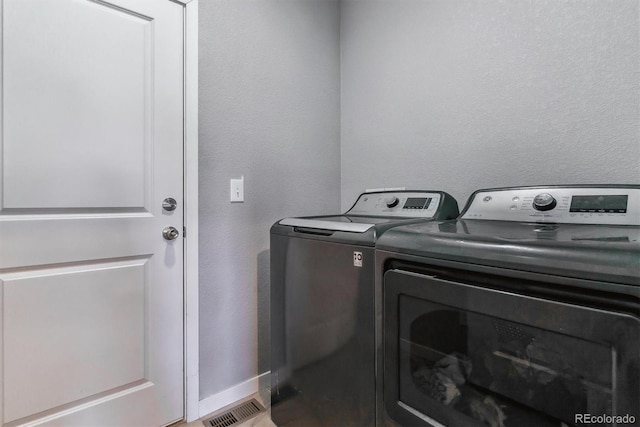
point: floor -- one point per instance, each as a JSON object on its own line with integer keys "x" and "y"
{"x": 263, "y": 419}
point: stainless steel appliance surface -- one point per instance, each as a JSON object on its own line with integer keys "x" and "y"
{"x": 522, "y": 312}
{"x": 322, "y": 307}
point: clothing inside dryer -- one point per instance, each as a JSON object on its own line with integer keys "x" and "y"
{"x": 498, "y": 372}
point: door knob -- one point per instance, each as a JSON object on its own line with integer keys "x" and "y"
{"x": 170, "y": 233}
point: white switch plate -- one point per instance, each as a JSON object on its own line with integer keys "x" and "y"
{"x": 237, "y": 190}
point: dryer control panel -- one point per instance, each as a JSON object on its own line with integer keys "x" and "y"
{"x": 609, "y": 205}
{"x": 409, "y": 204}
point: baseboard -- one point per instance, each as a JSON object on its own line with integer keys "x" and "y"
{"x": 233, "y": 394}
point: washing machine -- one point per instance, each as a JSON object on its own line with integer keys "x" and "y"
{"x": 522, "y": 312}
{"x": 322, "y": 306}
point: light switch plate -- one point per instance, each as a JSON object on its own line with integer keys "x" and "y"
{"x": 237, "y": 190}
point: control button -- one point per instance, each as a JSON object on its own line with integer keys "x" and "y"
{"x": 544, "y": 202}
{"x": 392, "y": 202}
{"x": 486, "y": 199}
{"x": 513, "y": 207}
{"x": 515, "y": 198}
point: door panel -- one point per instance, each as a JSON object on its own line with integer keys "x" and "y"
{"x": 90, "y": 123}
{"x": 75, "y": 305}
{"x": 91, "y": 295}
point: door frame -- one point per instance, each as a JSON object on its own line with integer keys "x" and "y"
{"x": 190, "y": 313}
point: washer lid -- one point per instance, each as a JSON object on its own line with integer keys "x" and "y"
{"x": 352, "y": 224}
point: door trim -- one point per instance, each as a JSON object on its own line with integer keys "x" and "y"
{"x": 191, "y": 317}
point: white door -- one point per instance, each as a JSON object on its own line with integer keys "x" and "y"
{"x": 91, "y": 294}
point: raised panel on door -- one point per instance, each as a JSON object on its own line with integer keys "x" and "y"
{"x": 94, "y": 318}
{"x": 93, "y": 122}
{"x": 91, "y": 143}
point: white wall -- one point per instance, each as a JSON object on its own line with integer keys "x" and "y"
{"x": 465, "y": 94}
{"x": 269, "y": 110}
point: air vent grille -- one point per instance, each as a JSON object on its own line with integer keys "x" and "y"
{"x": 235, "y": 415}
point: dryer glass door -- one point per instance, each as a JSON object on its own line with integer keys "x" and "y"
{"x": 464, "y": 355}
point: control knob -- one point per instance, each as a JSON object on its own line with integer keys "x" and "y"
{"x": 392, "y": 202}
{"x": 544, "y": 202}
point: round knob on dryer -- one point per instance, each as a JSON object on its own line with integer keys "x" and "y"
{"x": 392, "y": 202}
{"x": 544, "y": 202}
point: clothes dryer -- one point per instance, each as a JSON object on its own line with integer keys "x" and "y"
{"x": 523, "y": 312}
{"x": 322, "y": 307}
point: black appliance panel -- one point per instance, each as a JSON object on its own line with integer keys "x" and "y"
{"x": 322, "y": 334}
{"x": 601, "y": 204}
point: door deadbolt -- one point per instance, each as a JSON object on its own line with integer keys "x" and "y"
{"x": 170, "y": 233}
{"x": 169, "y": 204}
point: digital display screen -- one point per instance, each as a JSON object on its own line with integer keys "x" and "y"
{"x": 601, "y": 204}
{"x": 417, "y": 203}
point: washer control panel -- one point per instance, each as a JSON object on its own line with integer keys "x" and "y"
{"x": 409, "y": 204}
{"x": 576, "y": 205}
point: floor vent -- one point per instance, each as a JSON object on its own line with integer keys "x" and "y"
{"x": 235, "y": 415}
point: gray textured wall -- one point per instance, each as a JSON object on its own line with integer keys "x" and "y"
{"x": 465, "y": 94}
{"x": 269, "y": 110}
{"x": 441, "y": 94}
